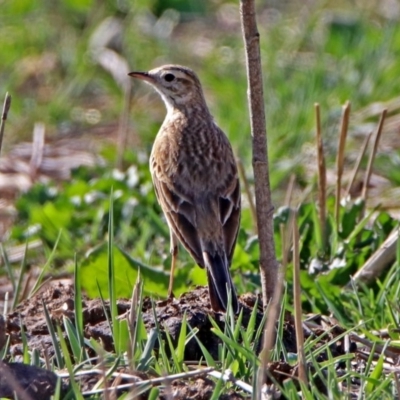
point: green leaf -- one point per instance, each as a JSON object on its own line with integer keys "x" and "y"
{"x": 125, "y": 273}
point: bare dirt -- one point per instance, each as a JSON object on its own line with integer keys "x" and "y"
{"x": 28, "y": 323}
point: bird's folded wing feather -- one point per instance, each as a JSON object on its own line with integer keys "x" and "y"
{"x": 229, "y": 205}
{"x": 181, "y": 217}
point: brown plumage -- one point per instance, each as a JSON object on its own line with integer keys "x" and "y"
{"x": 195, "y": 179}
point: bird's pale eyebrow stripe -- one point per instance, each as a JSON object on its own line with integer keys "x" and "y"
{"x": 183, "y": 71}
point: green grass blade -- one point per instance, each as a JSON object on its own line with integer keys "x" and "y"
{"x": 209, "y": 359}
{"x": 148, "y": 349}
{"x": 39, "y": 280}
{"x": 73, "y": 339}
{"x": 78, "y": 311}
{"x": 180, "y": 348}
{"x": 25, "y": 348}
{"x": 8, "y": 267}
{"x": 111, "y": 277}
{"x": 17, "y": 289}
{"x": 68, "y": 363}
{"x": 53, "y": 336}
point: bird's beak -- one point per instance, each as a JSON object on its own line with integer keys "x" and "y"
{"x": 144, "y": 76}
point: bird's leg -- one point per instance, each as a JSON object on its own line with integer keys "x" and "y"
{"x": 174, "y": 255}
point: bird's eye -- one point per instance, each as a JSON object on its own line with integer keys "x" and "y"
{"x": 169, "y": 77}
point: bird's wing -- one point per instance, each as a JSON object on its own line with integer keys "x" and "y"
{"x": 181, "y": 217}
{"x": 229, "y": 208}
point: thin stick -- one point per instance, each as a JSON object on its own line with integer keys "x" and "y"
{"x": 155, "y": 381}
{"x": 227, "y": 376}
{"x": 289, "y": 190}
{"x": 273, "y": 312}
{"x": 247, "y": 190}
{"x": 37, "y": 149}
{"x": 6, "y": 109}
{"x": 321, "y": 174}
{"x": 297, "y": 301}
{"x": 268, "y": 263}
{"x": 368, "y": 173}
{"x": 358, "y": 163}
{"x": 340, "y": 157}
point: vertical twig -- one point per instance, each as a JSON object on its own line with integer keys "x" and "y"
{"x": 264, "y": 208}
{"x": 297, "y": 302}
{"x": 289, "y": 191}
{"x": 358, "y": 163}
{"x": 271, "y": 281}
{"x": 321, "y": 174}
{"x": 371, "y": 159}
{"x": 340, "y": 158}
{"x": 247, "y": 191}
{"x": 6, "y": 109}
{"x": 274, "y": 308}
{"x": 37, "y": 149}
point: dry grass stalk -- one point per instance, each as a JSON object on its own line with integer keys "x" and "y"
{"x": 340, "y": 157}
{"x": 383, "y": 257}
{"x": 274, "y": 308}
{"x": 286, "y": 237}
{"x": 6, "y": 109}
{"x": 321, "y": 174}
{"x": 37, "y": 149}
{"x": 289, "y": 190}
{"x": 358, "y": 164}
{"x": 364, "y": 194}
{"x": 297, "y": 301}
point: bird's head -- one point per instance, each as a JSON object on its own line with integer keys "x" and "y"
{"x": 178, "y": 86}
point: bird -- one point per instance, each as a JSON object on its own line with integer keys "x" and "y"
{"x": 196, "y": 181}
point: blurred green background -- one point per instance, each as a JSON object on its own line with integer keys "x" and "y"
{"x": 313, "y": 51}
{"x": 65, "y": 64}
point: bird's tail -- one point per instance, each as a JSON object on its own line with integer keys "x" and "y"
{"x": 220, "y": 282}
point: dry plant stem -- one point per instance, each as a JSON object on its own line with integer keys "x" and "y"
{"x": 388, "y": 351}
{"x": 285, "y": 237}
{"x": 297, "y": 301}
{"x": 6, "y": 109}
{"x": 37, "y": 149}
{"x": 379, "y": 261}
{"x": 321, "y": 174}
{"x": 340, "y": 157}
{"x": 273, "y": 311}
{"x": 371, "y": 159}
{"x": 358, "y": 163}
{"x": 289, "y": 190}
{"x": 248, "y": 191}
{"x": 264, "y": 208}
{"x": 227, "y": 376}
{"x": 270, "y": 332}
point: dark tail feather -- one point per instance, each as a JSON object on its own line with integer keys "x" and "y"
{"x": 220, "y": 283}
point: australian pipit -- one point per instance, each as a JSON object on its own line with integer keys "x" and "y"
{"x": 196, "y": 181}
